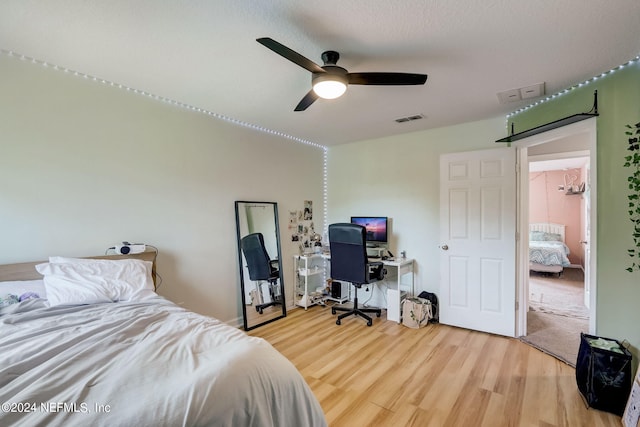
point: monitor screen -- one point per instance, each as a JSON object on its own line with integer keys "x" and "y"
{"x": 376, "y": 227}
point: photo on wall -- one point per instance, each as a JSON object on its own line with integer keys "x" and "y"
{"x": 308, "y": 210}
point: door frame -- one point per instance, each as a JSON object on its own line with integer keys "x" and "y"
{"x": 589, "y": 129}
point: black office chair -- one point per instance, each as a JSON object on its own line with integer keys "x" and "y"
{"x": 349, "y": 262}
{"x": 260, "y": 267}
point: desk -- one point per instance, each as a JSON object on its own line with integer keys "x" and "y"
{"x": 403, "y": 268}
{"x": 399, "y": 282}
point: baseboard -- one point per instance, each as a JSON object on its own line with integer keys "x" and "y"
{"x": 238, "y": 322}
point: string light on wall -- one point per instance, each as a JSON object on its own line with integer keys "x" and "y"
{"x": 325, "y": 185}
{"x": 513, "y": 136}
{"x": 161, "y": 98}
{"x": 579, "y": 85}
{"x": 192, "y": 108}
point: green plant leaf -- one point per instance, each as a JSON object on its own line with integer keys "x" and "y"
{"x": 633, "y": 161}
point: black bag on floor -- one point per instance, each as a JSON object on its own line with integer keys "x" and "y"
{"x": 433, "y": 299}
{"x": 603, "y": 375}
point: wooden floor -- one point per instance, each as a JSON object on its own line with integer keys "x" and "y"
{"x": 391, "y": 375}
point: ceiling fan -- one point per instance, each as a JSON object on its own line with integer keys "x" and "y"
{"x": 330, "y": 81}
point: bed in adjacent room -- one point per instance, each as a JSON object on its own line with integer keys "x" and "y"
{"x": 548, "y": 252}
{"x": 91, "y": 343}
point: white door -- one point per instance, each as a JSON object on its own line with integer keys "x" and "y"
{"x": 478, "y": 247}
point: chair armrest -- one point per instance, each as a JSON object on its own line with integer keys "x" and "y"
{"x": 378, "y": 272}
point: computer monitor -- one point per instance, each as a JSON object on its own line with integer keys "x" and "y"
{"x": 376, "y": 227}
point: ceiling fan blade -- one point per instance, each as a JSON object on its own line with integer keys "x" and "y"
{"x": 384, "y": 79}
{"x": 305, "y": 102}
{"x": 289, "y": 54}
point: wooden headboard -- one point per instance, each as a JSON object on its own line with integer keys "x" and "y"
{"x": 548, "y": 227}
{"x": 27, "y": 270}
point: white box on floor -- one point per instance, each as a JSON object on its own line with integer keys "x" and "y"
{"x": 393, "y": 310}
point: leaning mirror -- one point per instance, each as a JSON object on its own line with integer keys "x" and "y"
{"x": 260, "y": 263}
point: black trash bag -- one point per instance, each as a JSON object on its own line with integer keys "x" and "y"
{"x": 433, "y": 299}
{"x": 603, "y": 375}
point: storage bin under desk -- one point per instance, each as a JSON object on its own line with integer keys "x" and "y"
{"x": 400, "y": 282}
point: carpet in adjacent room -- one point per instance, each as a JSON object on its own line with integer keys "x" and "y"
{"x": 556, "y": 335}
{"x": 557, "y": 314}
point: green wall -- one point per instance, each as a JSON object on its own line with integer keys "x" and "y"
{"x": 618, "y": 291}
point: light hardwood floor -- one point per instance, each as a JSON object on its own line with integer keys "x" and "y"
{"x": 391, "y": 375}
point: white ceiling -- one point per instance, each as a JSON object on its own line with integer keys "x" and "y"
{"x": 558, "y": 164}
{"x": 203, "y": 53}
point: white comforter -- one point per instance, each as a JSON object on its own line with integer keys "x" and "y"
{"x": 147, "y": 363}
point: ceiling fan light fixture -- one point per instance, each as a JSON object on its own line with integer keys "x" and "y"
{"x": 329, "y": 86}
{"x": 330, "y": 81}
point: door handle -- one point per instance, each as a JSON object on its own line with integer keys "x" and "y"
{"x": 583, "y": 242}
{"x": 444, "y": 247}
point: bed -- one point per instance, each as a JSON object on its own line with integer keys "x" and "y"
{"x": 548, "y": 252}
{"x": 141, "y": 360}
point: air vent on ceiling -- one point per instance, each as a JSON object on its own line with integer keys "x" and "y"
{"x": 410, "y": 118}
{"x": 513, "y": 95}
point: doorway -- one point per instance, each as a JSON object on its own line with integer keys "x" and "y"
{"x": 557, "y": 312}
{"x": 563, "y": 162}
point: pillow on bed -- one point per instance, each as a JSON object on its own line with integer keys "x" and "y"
{"x": 65, "y": 260}
{"x": 553, "y": 237}
{"x": 542, "y": 236}
{"x": 96, "y": 281}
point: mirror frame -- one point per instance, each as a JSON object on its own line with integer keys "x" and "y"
{"x": 248, "y": 327}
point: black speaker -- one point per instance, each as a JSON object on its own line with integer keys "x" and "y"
{"x": 336, "y": 290}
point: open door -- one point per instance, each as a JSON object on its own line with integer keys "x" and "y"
{"x": 478, "y": 249}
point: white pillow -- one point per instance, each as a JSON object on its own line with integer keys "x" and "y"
{"x": 96, "y": 281}
{"x": 64, "y": 260}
